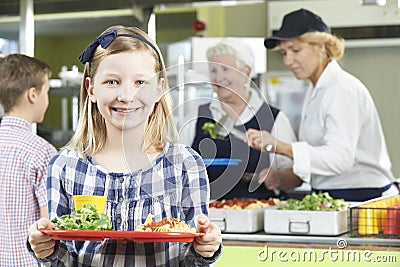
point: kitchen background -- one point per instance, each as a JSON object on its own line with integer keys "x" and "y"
{"x": 63, "y": 28}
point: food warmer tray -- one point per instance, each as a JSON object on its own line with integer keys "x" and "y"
{"x": 238, "y": 220}
{"x": 303, "y": 222}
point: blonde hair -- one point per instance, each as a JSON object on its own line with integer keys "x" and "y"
{"x": 91, "y": 134}
{"x": 334, "y": 45}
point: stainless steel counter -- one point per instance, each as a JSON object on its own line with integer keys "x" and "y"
{"x": 322, "y": 240}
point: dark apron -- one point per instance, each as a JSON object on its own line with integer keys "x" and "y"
{"x": 227, "y": 182}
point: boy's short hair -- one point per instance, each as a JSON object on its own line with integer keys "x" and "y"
{"x": 18, "y": 74}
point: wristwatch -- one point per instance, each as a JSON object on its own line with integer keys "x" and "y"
{"x": 268, "y": 148}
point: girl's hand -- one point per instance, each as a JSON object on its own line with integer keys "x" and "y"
{"x": 209, "y": 243}
{"x": 41, "y": 244}
{"x": 260, "y": 140}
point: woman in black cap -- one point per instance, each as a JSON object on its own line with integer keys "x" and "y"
{"x": 341, "y": 148}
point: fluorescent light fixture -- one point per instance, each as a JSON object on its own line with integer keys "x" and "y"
{"x": 381, "y": 2}
{"x": 73, "y": 15}
{"x": 151, "y": 27}
{"x": 226, "y": 3}
{"x": 374, "y": 2}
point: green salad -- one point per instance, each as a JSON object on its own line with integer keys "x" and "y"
{"x": 87, "y": 218}
{"x": 316, "y": 201}
{"x": 210, "y": 128}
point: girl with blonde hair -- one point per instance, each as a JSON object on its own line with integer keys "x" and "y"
{"x": 124, "y": 149}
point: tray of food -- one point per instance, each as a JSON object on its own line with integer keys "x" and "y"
{"x": 315, "y": 214}
{"x": 89, "y": 224}
{"x": 240, "y": 215}
{"x": 137, "y": 236}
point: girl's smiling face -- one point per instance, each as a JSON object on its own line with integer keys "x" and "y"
{"x": 126, "y": 87}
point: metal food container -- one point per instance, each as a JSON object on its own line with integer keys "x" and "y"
{"x": 304, "y": 222}
{"x": 237, "y": 220}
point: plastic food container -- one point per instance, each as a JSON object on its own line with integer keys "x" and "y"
{"x": 99, "y": 201}
{"x": 303, "y": 222}
{"x": 376, "y": 217}
{"x": 369, "y": 219}
{"x": 392, "y": 220}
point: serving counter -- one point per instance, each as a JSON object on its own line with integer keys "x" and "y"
{"x": 261, "y": 249}
{"x": 312, "y": 241}
{"x": 365, "y": 235}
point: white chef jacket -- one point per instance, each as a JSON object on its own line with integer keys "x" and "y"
{"x": 341, "y": 142}
{"x": 281, "y": 129}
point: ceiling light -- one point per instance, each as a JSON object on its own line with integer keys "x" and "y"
{"x": 74, "y": 15}
{"x": 374, "y": 2}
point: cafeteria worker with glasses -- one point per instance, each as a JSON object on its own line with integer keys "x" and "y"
{"x": 341, "y": 148}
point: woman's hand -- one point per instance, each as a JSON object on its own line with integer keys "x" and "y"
{"x": 209, "y": 243}
{"x": 270, "y": 178}
{"x": 264, "y": 141}
{"x": 283, "y": 179}
{"x": 41, "y": 244}
{"x": 260, "y": 140}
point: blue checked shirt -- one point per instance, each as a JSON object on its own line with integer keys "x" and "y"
{"x": 174, "y": 185}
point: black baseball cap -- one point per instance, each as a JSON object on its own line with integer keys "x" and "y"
{"x": 295, "y": 24}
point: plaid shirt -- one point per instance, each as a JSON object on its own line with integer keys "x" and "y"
{"x": 174, "y": 185}
{"x": 24, "y": 158}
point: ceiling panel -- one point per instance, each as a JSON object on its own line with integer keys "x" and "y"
{"x": 79, "y": 23}
{"x": 11, "y": 7}
{"x": 69, "y": 26}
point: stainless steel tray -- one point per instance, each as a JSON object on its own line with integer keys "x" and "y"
{"x": 237, "y": 221}
{"x": 302, "y": 222}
